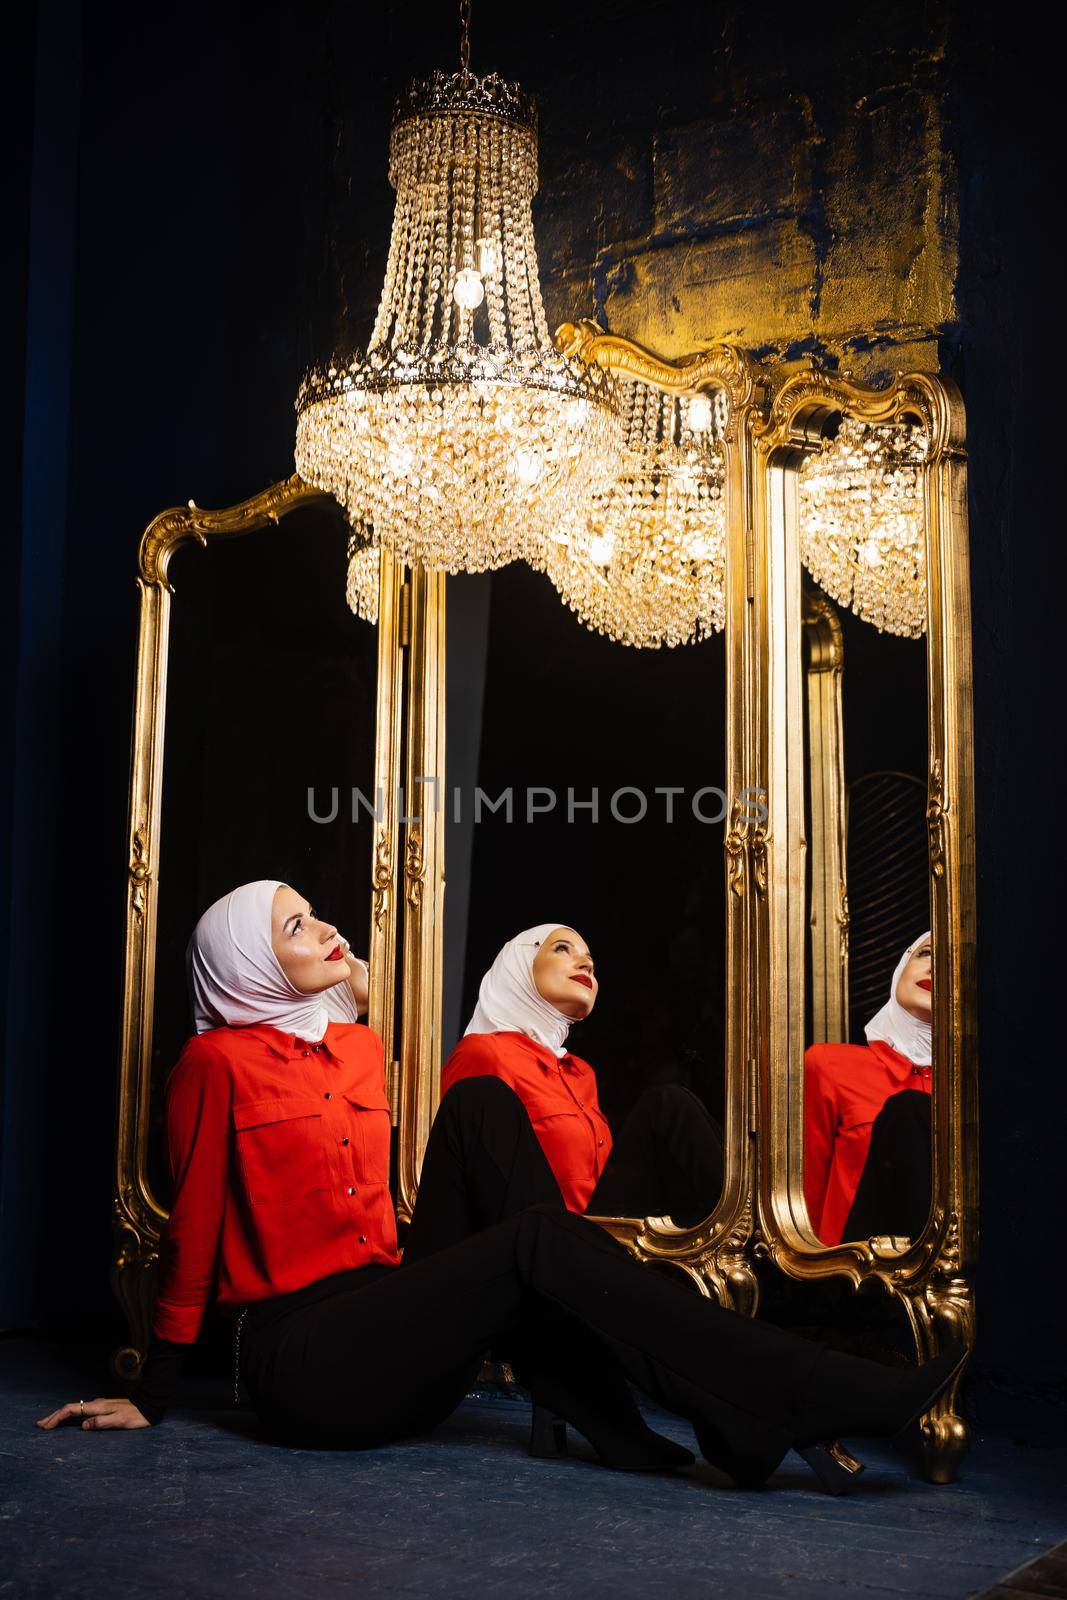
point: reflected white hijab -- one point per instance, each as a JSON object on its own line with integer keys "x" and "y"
{"x": 509, "y": 1000}
{"x": 236, "y": 979}
{"x": 897, "y": 1027}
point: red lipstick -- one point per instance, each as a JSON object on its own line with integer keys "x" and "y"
{"x": 581, "y": 978}
{"x": 923, "y": 983}
{"x": 335, "y": 955}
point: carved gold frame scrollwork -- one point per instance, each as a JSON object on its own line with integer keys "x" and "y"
{"x": 715, "y": 1255}
{"x": 932, "y": 1276}
{"x": 137, "y": 1213}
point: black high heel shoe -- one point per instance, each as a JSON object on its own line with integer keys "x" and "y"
{"x": 627, "y": 1445}
{"x": 835, "y": 1467}
{"x": 548, "y": 1434}
{"x": 847, "y": 1395}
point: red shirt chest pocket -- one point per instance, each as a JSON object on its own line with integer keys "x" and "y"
{"x": 281, "y": 1151}
{"x": 372, "y": 1130}
{"x": 542, "y": 1104}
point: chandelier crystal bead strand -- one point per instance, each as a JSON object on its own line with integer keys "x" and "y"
{"x": 462, "y": 436}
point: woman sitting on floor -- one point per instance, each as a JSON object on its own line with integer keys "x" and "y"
{"x": 278, "y": 1140}
{"x": 667, "y": 1160}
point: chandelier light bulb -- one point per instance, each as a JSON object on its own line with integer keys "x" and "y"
{"x": 700, "y": 413}
{"x": 469, "y": 290}
{"x": 528, "y": 465}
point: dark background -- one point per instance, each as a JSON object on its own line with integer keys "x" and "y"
{"x": 197, "y": 205}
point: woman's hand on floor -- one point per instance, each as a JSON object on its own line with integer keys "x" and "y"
{"x": 97, "y": 1414}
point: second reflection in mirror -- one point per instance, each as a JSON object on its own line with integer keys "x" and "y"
{"x": 867, "y": 1068}
{"x": 668, "y": 1159}
{"x": 625, "y": 1088}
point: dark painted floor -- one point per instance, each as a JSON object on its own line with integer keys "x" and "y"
{"x": 201, "y": 1507}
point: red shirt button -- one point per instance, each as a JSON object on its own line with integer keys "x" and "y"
{"x": 327, "y": 1095}
{"x": 345, "y": 1140}
{"x": 363, "y": 1238}
{"x": 351, "y": 1191}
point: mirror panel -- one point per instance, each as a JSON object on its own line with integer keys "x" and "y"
{"x": 861, "y": 527}
{"x": 593, "y": 837}
{"x": 827, "y": 928}
{"x": 269, "y": 757}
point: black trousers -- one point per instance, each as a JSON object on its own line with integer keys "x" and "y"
{"x": 385, "y": 1353}
{"x": 893, "y": 1195}
{"x": 667, "y": 1161}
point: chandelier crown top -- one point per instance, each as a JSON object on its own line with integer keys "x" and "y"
{"x": 448, "y": 94}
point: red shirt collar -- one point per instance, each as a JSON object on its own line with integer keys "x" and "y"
{"x": 545, "y": 1057}
{"x": 288, "y": 1046}
{"x": 896, "y": 1065}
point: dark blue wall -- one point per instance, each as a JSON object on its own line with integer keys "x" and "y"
{"x": 216, "y": 220}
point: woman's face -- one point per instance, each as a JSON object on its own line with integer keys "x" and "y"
{"x": 311, "y": 952}
{"x": 563, "y": 974}
{"x": 913, "y": 985}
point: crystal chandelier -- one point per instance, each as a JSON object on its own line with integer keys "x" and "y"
{"x": 646, "y": 566}
{"x": 862, "y": 523}
{"x": 462, "y": 436}
{"x": 364, "y": 568}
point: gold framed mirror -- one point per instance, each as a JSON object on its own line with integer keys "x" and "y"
{"x": 264, "y": 639}
{"x": 712, "y": 1253}
{"x": 804, "y": 914}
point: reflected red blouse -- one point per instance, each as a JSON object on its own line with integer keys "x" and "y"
{"x": 279, "y": 1156}
{"x": 845, "y": 1087}
{"x": 560, "y": 1097}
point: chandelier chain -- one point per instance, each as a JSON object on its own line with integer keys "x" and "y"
{"x": 465, "y": 35}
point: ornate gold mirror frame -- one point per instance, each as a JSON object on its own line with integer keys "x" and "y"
{"x": 931, "y": 1276}
{"x": 138, "y": 1214}
{"x": 714, "y": 1253}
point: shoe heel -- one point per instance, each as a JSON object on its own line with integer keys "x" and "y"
{"x": 548, "y": 1434}
{"x": 836, "y": 1470}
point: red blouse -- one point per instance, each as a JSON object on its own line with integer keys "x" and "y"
{"x": 559, "y": 1095}
{"x": 279, "y": 1156}
{"x": 845, "y": 1087}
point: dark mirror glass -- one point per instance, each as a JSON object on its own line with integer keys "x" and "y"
{"x": 270, "y": 725}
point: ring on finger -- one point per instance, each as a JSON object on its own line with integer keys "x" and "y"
{"x": 81, "y": 1404}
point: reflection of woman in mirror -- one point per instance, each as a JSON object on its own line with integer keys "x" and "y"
{"x": 867, "y": 1117}
{"x": 278, "y": 1135}
{"x": 667, "y": 1160}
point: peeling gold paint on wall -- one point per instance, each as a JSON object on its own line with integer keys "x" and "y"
{"x": 831, "y": 227}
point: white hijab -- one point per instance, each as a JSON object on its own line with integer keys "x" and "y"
{"x": 236, "y": 979}
{"x": 897, "y": 1027}
{"x": 509, "y": 1000}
